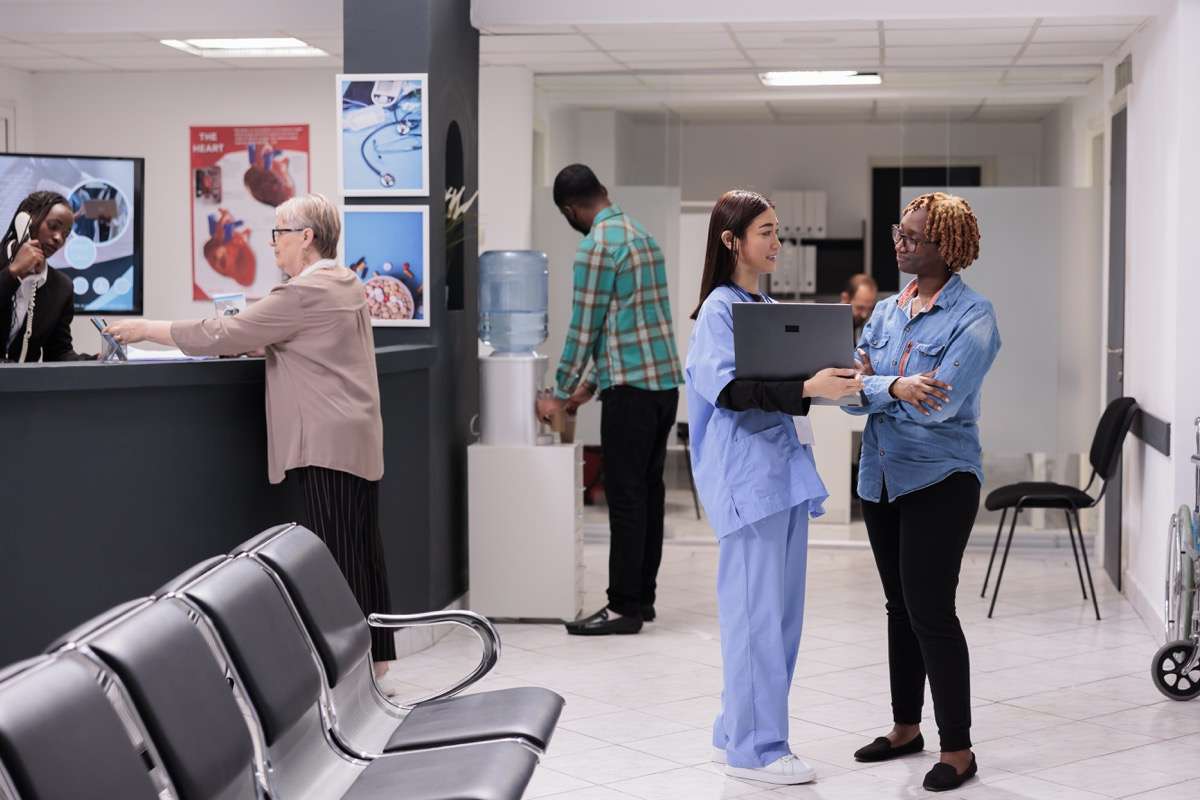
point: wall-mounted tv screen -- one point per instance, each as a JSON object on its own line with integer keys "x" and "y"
{"x": 103, "y": 255}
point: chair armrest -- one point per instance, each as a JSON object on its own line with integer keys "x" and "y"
{"x": 476, "y": 623}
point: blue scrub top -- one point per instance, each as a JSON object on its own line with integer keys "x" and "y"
{"x": 748, "y": 465}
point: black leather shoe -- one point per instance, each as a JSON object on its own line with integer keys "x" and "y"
{"x": 881, "y": 749}
{"x": 648, "y": 614}
{"x": 603, "y": 623}
{"x": 944, "y": 777}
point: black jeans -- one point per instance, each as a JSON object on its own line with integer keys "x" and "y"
{"x": 918, "y": 542}
{"x": 634, "y": 427}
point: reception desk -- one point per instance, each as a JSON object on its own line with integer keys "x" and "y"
{"x": 115, "y": 477}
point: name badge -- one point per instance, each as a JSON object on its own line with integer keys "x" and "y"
{"x": 804, "y": 430}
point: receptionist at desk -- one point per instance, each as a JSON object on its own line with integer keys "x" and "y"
{"x": 37, "y": 302}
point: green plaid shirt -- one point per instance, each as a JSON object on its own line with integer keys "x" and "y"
{"x": 621, "y": 315}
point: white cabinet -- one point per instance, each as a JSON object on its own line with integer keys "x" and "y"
{"x": 525, "y": 512}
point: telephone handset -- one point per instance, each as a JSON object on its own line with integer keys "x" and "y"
{"x": 22, "y": 224}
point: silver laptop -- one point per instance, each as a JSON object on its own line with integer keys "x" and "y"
{"x": 785, "y": 341}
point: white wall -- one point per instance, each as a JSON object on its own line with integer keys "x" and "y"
{"x": 505, "y": 158}
{"x": 140, "y": 114}
{"x": 837, "y": 158}
{"x": 1067, "y": 136}
{"x": 1161, "y": 288}
{"x": 16, "y": 93}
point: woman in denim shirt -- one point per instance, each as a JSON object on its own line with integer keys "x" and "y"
{"x": 924, "y": 354}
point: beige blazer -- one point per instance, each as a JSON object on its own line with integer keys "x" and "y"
{"x": 322, "y": 387}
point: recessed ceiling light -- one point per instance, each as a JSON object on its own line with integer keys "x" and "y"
{"x": 820, "y": 78}
{"x": 273, "y": 47}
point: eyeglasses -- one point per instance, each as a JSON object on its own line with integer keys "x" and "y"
{"x": 898, "y": 235}
{"x": 276, "y": 231}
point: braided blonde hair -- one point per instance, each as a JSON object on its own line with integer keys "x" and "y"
{"x": 952, "y": 224}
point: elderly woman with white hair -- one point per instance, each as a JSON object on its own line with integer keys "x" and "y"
{"x": 323, "y": 420}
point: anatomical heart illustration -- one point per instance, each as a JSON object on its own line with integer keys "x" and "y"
{"x": 239, "y": 174}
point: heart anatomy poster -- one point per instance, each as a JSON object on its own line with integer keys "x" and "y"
{"x": 239, "y": 174}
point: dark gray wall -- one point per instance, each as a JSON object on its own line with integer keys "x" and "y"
{"x": 434, "y": 37}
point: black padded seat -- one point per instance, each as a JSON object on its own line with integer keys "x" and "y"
{"x": 95, "y": 623}
{"x": 257, "y": 540}
{"x": 180, "y": 693}
{"x": 497, "y": 771}
{"x": 342, "y": 639}
{"x": 1038, "y": 495}
{"x": 529, "y": 713}
{"x": 61, "y": 738}
{"x": 188, "y": 575}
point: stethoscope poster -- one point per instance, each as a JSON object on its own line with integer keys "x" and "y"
{"x": 388, "y": 248}
{"x": 381, "y": 135}
{"x": 238, "y": 175}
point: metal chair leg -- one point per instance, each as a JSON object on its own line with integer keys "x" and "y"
{"x": 687, "y": 454}
{"x": 1004, "y": 561}
{"x": 1087, "y": 567}
{"x": 1071, "y": 533}
{"x": 992, "y": 560}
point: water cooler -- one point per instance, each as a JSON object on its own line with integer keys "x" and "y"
{"x": 525, "y": 507}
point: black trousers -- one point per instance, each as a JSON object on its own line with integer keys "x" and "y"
{"x": 343, "y": 509}
{"x": 634, "y": 427}
{"x": 918, "y": 542}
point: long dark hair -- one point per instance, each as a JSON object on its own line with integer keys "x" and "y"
{"x": 37, "y": 205}
{"x": 733, "y": 212}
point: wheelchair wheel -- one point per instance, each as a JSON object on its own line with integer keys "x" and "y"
{"x": 1167, "y": 671}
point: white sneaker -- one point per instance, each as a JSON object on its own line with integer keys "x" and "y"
{"x": 786, "y": 770}
{"x": 718, "y": 756}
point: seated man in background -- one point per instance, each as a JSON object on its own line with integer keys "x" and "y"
{"x": 861, "y": 292}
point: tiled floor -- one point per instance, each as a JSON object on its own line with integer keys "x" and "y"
{"x": 1064, "y": 707}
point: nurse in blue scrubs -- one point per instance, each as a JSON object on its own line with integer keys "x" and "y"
{"x": 759, "y": 485}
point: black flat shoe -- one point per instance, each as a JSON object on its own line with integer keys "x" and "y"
{"x": 604, "y": 623}
{"x": 881, "y": 749}
{"x": 648, "y": 614}
{"x": 944, "y": 777}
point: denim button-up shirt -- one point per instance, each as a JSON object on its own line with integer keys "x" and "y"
{"x": 957, "y": 338}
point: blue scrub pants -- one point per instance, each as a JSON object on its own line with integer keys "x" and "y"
{"x": 760, "y": 598}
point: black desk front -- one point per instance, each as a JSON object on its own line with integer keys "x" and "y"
{"x": 116, "y": 477}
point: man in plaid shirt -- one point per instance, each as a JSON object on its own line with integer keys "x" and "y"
{"x": 621, "y": 322}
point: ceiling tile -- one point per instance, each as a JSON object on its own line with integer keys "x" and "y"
{"x": 934, "y": 53}
{"x": 554, "y": 43}
{"x": 55, "y": 64}
{"x": 155, "y": 64}
{"x": 617, "y": 80}
{"x": 747, "y": 81}
{"x": 815, "y": 59}
{"x": 924, "y": 24}
{"x": 718, "y": 57}
{"x": 942, "y": 36}
{"x": 40, "y": 38}
{"x": 802, "y": 27}
{"x": 1054, "y": 22}
{"x": 517, "y": 30}
{"x": 1078, "y": 49}
{"x": 1085, "y": 33}
{"x": 940, "y": 78}
{"x": 681, "y": 65}
{"x": 654, "y": 27}
{"x": 810, "y": 39}
{"x": 547, "y": 59}
{"x": 572, "y": 67}
{"x": 290, "y": 64}
{"x": 1035, "y": 75}
{"x": 117, "y": 49}
{"x": 13, "y": 50}
{"x": 1057, "y": 61}
{"x": 657, "y": 41}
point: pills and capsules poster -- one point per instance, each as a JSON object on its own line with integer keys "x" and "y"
{"x": 388, "y": 248}
{"x": 239, "y": 174}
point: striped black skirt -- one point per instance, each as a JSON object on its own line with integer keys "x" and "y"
{"x": 343, "y": 509}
